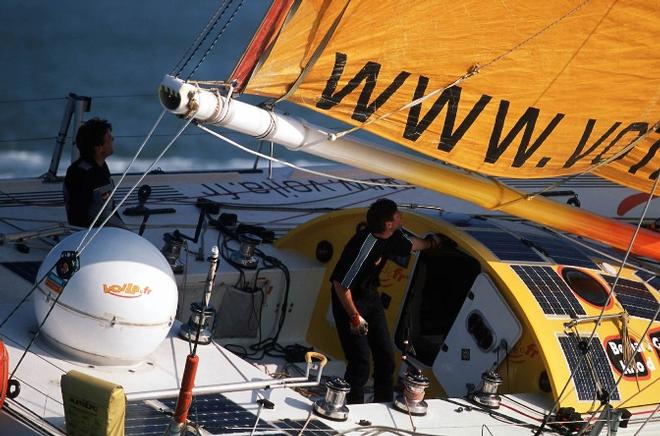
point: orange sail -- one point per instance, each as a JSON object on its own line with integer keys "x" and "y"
{"x": 515, "y": 89}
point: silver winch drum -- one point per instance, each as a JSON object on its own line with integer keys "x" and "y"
{"x": 333, "y": 405}
{"x": 412, "y": 399}
{"x": 487, "y": 395}
{"x": 244, "y": 256}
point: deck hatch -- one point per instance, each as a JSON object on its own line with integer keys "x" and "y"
{"x": 586, "y": 374}
{"x": 634, "y": 297}
{"x": 506, "y": 246}
{"x": 551, "y": 292}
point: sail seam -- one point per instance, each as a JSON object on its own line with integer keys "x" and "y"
{"x": 315, "y": 56}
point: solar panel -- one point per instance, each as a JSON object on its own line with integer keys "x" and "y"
{"x": 467, "y": 220}
{"x": 634, "y": 297}
{"x": 551, "y": 292}
{"x": 649, "y": 278}
{"x": 563, "y": 252}
{"x": 593, "y": 371}
{"x": 216, "y": 414}
{"x": 506, "y": 246}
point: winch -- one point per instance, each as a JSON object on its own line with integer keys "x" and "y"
{"x": 412, "y": 398}
{"x": 487, "y": 395}
{"x": 245, "y": 257}
{"x": 333, "y": 405}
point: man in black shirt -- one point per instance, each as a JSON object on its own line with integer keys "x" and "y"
{"x": 88, "y": 183}
{"x": 356, "y": 305}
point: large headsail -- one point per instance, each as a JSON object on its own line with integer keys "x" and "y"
{"x": 508, "y": 89}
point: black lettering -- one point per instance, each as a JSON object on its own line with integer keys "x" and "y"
{"x": 318, "y": 185}
{"x": 254, "y": 187}
{"x": 349, "y": 186}
{"x": 645, "y": 160}
{"x": 577, "y": 154}
{"x": 369, "y": 75}
{"x": 277, "y": 188}
{"x": 640, "y": 128}
{"x": 297, "y": 186}
{"x": 527, "y": 122}
{"x": 650, "y": 154}
{"x": 450, "y": 97}
{"x": 234, "y": 195}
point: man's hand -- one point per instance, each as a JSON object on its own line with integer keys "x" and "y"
{"x": 445, "y": 241}
{"x": 359, "y": 326}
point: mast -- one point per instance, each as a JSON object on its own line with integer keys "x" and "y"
{"x": 209, "y": 108}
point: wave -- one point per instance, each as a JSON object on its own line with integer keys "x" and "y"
{"x": 15, "y": 164}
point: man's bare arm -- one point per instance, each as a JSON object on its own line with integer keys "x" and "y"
{"x": 345, "y": 297}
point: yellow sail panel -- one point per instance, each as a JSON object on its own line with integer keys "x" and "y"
{"x": 513, "y": 89}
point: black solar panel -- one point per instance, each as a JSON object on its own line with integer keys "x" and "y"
{"x": 594, "y": 369}
{"x": 552, "y": 293}
{"x": 634, "y": 297}
{"x": 506, "y": 246}
{"x": 562, "y": 251}
{"x": 217, "y": 415}
{"x": 649, "y": 278}
{"x": 467, "y": 220}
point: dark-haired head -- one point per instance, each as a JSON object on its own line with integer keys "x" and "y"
{"x": 380, "y": 212}
{"x": 91, "y": 134}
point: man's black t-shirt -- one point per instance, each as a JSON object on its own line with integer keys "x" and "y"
{"x": 364, "y": 257}
{"x": 86, "y": 187}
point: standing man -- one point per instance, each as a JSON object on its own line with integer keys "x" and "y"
{"x": 88, "y": 183}
{"x": 356, "y": 304}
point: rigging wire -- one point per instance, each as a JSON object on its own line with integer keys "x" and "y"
{"x": 201, "y": 37}
{"x": 130, "y": 191}
{"x": 294, "y": 166}
{"x": 589, "y": 170}
{"x": 602, "y": 311}
{"x": 647, "y": 420}
{"x": 217, "y": 37}
{"x": 629, "y": 361}
{"x": 473, "y": 70}
{"x": 82, "y": 247}
{"x": 123, "y": 176}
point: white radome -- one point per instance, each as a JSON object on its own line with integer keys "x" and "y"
{"x": 117, "y": 308}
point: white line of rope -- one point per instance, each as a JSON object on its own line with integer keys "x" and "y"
{"x": 121, "y": 179}
{"x": 474, "y": 69}
{"x": 307, "y": 170}
{"x": 599, "y": 252}
{"x": 609, "y": 297}
{"x": 647, "y": 419}
{"x": 589, "y": 170}
{"x": 130, "y": 191}
{"x": 625, "y": 258}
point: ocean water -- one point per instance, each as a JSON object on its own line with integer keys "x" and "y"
{"x": 117, "y": 53}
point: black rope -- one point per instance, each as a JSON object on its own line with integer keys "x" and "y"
{"x": 212, "y": 46}
{"x": 202, "y": 36}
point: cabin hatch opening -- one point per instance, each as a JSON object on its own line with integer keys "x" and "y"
{"x": 440, "y": 283}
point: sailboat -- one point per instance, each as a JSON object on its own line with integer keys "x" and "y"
{"x": 543, "y": 316}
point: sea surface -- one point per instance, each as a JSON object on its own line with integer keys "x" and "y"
{"x": 115, "y": 52}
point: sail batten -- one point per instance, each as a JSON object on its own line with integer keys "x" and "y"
{"x": 515, "y": 90}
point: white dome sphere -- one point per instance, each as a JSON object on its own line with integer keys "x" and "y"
{"x": 120, "y": 304}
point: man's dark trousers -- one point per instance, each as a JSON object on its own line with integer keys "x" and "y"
{"x": 358, "y": 348}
